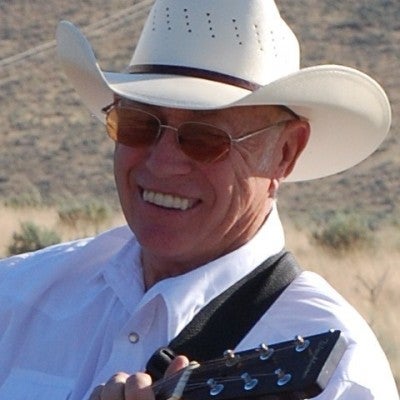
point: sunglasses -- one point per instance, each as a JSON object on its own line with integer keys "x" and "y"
{"x": 200, "y": 141}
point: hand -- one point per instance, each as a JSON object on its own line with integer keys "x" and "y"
{"x": 123, "y": 386}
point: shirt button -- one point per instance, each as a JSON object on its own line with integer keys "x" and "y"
{"x": 133, "y": 337}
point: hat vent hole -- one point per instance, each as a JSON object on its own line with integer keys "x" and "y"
{"x": 167, "y": 18}
{"x": 210, "y": 27}
{"x": 272, "y": 33}
{"x": 258, "y": 38}
{"x": 186, "y": 14}
{"x": 236, "y": 28}
{"x": 154, "y": 20}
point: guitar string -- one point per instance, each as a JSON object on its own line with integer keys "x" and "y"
{"x": 255, "y": 355}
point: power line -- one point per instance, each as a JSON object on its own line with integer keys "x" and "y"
{"x": 26, "y": 54}
{"x": 134, "y": 12}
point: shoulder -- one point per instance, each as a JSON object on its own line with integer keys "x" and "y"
{"x": 53, "y": 262}
{"x": 310, "y": 305}
{"x": 319, "y": 301}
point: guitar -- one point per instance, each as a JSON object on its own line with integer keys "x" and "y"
{"x": 297, "y": 369}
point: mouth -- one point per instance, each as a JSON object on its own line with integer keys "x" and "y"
{"x": 167, "y": 200}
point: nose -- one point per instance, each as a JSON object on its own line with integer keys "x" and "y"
{"x": 165, "y": 158}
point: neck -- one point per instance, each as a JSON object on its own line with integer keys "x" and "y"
{"x": 157, "y": 267}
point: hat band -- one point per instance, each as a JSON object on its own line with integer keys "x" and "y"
{"x": 194, "y": 73}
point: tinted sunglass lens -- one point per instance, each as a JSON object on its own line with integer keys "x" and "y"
{"x": 132, "y": 127}
{"x": 203, "y": 142}
{"x": 136, "y": 128}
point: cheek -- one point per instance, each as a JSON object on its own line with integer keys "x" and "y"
{"x": 248, "y": 193}
{"x": 126, "y": 158}
{"x": 221, "y": 183}
{"x": 120, "y": 167}
{"x": 252, "y": 185}
{"x": 126, "y": 161}
{"x": 233, "y": 189}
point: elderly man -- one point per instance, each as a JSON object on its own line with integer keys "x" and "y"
{"x": 211, "y": 116}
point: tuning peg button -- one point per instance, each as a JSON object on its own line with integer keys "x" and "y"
{"x": 301, "y": 343}
{"x": 249, "y": 382}
{"x": 265, "y": 352}
{"x": 283, "y": 378}
{"x": 215, "y": 387}
{"x": 231, "y": 358}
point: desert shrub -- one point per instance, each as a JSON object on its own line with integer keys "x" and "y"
{"x": 342, "y": 232}
{"x": 28, "y": 196}
{"x": 24, "y": 200}
{"x": 31, "y": 238}
{"x": 77, "y": 213}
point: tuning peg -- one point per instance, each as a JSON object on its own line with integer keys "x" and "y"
{"x": 231, "y": 358}
{"x": 215, "y": 387}
{"x": 265, "y": 351}
{"x": 283, "y": 378}
{"x": 249, "y": 382}
{"x": 301, "y": 344}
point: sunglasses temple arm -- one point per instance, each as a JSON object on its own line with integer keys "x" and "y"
{"x": 258, "y": 132}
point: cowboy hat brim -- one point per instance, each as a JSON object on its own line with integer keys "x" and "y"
{"x": 348, "y": 111}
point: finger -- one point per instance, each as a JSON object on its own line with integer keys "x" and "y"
{"x": 114, "y": 389}
{"x": 138, "y": 387}
{"x": 177, "y": 364}
{"x": 96, "y": 394}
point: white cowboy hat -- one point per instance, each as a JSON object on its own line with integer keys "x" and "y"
{"x": 213, "y": 54}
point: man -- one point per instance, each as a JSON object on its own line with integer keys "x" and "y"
{"x": 212, "y": 116}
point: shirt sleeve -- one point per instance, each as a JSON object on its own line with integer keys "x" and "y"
{"x": 347, "y": 390}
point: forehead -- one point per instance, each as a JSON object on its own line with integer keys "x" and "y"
{"x": 245, "y": 114}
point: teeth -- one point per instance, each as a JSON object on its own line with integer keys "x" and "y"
{"x": 166, "y": 200}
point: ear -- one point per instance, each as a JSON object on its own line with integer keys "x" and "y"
{"x": 293, "y": 140}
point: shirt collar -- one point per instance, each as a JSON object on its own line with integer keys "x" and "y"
{"x": 203, "y": 283}
{"x": 208, "y": 281}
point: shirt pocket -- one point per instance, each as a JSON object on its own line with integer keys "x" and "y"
{"x": 22, "y": 384}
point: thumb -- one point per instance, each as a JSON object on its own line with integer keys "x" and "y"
{"x": 177, "y": 364}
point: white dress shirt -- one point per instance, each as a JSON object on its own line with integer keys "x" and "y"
{"x": 74, "y": 314}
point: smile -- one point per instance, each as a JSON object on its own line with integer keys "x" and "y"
{"x": 167, "y": 200}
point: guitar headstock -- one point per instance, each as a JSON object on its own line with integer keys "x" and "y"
{"x": 296, "y": 369}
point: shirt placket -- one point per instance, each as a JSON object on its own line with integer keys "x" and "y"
{"x": 140, "y": 336}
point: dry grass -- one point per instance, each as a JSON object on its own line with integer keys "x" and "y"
{"x": 368, "y": 278}
{"x": 11, "y": 219}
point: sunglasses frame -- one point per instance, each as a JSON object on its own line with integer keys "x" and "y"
{"x": 107, "y": 109}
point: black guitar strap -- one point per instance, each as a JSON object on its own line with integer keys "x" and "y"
{"x": 222, "y": 323}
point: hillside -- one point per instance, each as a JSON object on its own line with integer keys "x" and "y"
{"x": 51, "y": 148}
